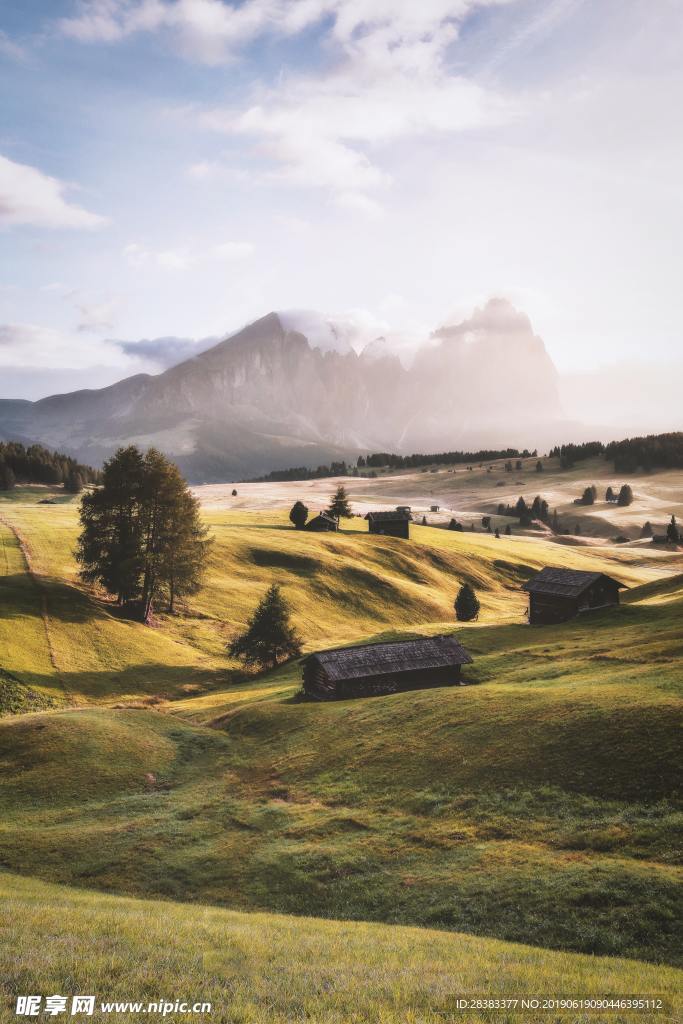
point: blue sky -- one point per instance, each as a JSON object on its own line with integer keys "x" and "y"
{"x": 180, "y": 167}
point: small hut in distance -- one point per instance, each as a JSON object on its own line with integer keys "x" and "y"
{"x": 390, "y": 524}
{"x": 323, "y": 523}
{"x": 556, "y": 595}
{"x": 376, "y": 669}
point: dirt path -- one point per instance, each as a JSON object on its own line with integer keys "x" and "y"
{"x": 42, "y": 593}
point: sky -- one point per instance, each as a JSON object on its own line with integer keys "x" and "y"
{"x": 173, "y": 169}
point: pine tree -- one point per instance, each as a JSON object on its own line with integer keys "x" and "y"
{"x": 672, "y": 532}
{"x": 110, "y": 542}
{"x": 7, "y": 477}
{"x": 141, "y": 537}
{"x": 269, "y": 637}
{"x": 609, "y": 494}
{"x": 466, "y": 604}
{"x": 73, "y": 482}
{"x": 646, "y": 530}
{"x": 625, "y": 495}
{"x": 298, "y": 515}
{"x": 186, "y": 544}
{"x": 339, "y": 504}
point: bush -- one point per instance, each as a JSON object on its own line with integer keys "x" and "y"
{"x": 466, "y": 604}
{"x": 298, "y": 515}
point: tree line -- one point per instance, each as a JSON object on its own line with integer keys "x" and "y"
{"x": 657, "y": 451}
{"x": 33, "y": 464}
{"x": 389, "y": 460}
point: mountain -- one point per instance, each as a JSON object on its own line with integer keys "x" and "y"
{"x": 292, "y": 389}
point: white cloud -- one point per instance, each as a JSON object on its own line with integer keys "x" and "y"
{"x": 392, "y": 82}
{"x": 8, "y": 48}
{"x": 231, "y": 251}
{"x": 204, "y": 30}
{"x": 33, "y": 345}
{"x": 181, "y": 259}
{"x": 204, "y": 170}
{"x": 27, "y": 196}
{"x": 174, "y": 259}
{"x": 359, "y": 203}
{"x": 97, "y": 316}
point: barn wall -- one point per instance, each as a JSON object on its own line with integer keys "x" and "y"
{"x": 317, "y": 684}
{"x": 401, "y": 530}
{"x": 546, "y": 609}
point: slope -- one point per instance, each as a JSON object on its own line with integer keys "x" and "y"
{"x": 260, "y": 968}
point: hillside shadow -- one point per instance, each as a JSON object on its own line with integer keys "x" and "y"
{"x": 64, "y": 602}
{"x": 136, "y": 685}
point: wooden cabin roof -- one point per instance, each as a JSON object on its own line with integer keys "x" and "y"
{"x": 389, "y": 517}
{"x": 388, "y": 658}
{"x": 326, "y": 518}
{"x": 566, "y": 582}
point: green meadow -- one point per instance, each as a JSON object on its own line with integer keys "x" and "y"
{"x": 539, "y": 806}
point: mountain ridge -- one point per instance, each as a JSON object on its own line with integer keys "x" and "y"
{"x": 268, "y": 395}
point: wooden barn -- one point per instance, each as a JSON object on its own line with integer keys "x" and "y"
{"x": 323, "y": 523}
{"x": 375, "y": 669}
{"x": 391, "y": 524}
{"x": 556, "y": 595}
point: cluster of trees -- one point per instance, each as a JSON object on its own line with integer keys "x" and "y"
{"x": 656, "y": 451}
{"x": 526, "y": 513}
{"x": 590, "y": 495}
{"x": 303, "y": 473}
{"x": 673, "y": 534}
{"x": 141, "y": 535}
{"x": 340, "y": 508}
{"x": 570, "y": 454}
{"x": 34, "y": 464}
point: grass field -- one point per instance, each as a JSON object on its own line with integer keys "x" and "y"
{"x": 540, "y": 806}
{"x": 268, "y": 969}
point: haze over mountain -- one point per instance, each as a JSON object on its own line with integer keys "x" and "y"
{"x": 297, "y": 388}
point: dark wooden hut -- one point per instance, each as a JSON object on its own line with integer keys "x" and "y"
{"x": 375, "y": 669}
{"x": 323, "y": 523}
{"x": 556, "y": 595}
{"x": 392, "y": 524}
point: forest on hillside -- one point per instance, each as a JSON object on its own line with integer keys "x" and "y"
{"x": 656, "y": 451}
{"x": 34, "y": 464}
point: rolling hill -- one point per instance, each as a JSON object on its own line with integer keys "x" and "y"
{"x": 510, "y": 809}
{"x": 260, "y": 968}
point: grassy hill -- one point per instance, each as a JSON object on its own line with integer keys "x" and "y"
{"x": 539, "y": 806}
{"x": 60, "y": 638}
{"x": 258, "y": 968}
